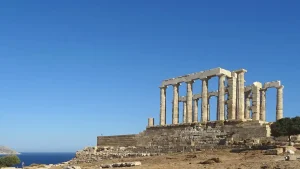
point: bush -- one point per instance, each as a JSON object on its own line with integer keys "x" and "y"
{"x": 286, "y": 127}
{"x": 9, "y": 161}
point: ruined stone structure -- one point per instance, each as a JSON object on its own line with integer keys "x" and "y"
{"x": 238, "y": 102}
{"x": 237, "y": 120}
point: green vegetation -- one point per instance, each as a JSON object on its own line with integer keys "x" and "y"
{"x": 9, "y": 161}
{"x": 286, "y": 127}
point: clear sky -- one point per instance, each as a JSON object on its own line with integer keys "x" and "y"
{"x": 73, "y": 70}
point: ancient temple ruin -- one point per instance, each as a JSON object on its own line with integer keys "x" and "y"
{"x": 241, "y": 116}
{"x": 238, "y": 102}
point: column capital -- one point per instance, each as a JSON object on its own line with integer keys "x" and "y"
{"x": 163, "y": 87}
{"x": 190, "y": 81}
{"x": 239, "y": 71}
{"x": 205, "y": 78}
{"x": 176, "y": 84}
{"x": 221, "y": 75}
{"x": 280, "y": 87}
{"x": 263, "y": 89}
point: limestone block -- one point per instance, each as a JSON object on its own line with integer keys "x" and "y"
{"x": 276, "y": 151}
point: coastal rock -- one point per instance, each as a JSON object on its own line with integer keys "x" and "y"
{"x": 6, "y": 150}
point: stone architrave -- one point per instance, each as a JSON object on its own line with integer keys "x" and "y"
{"x": 241, "y": 94}
{"x": 163, "y": 105}
{"x": 184, "y": 112}
{"x": 263, "y": 105}
{"x": 231, "y": 103}
{"x": 279, "y": 103}
{"x": 150, "y": 122}
{"x": 195, "y": 117}
{"x": 256, "y": 87}
{"x": 175, "y": 109}
{"x": 204, "y": 100}
{"x": 189, "y": 102}
{"x": 221, "y": 97}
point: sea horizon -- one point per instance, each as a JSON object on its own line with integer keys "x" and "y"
{"x": 43, "y": 157}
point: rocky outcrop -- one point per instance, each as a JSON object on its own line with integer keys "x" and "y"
{"x": 6, "y": 150}
{"x": 93, "y": 154}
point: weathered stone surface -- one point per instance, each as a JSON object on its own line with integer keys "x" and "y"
{"x": 72, "y": 167}
{"x": 122, "y": 164}
{"x": 276, "y": 151}
{"x": 236, "y": 90}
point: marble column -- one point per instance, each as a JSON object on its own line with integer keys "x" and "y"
{"x": 208, "y": 110}
{"x": 204, "y": 101}
{"x": 247, "y": 105}
{"x": 150, "y": 122}
{"x": 184, "y": 112}
{"x": 221, "y": 97}
{"x": 189, "y": 102}
{"x": 256, "y": 87}
{"x": 241, "y": 95}
{"x": 279, "y": 103}
{"x": 163, "y": 105}
{"x": 175, "y": 109}
{"x": 263, "y": 105}
{"x": 231, "y": 104}
{"x": 195, "y": 118}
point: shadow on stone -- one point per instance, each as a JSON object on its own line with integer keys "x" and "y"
{"x": 211, "y": 161}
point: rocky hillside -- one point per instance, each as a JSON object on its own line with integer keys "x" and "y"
{"x": 6, "y": 150}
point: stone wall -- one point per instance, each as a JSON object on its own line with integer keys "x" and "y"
{"x": 117, "y": 141}
{"x": 190, "y": 137}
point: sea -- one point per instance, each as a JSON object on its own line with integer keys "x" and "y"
{"x": 44, "y": 158}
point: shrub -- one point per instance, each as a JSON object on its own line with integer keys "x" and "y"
{"x": 9, "y": 161}
{"x": 286, "y": 127}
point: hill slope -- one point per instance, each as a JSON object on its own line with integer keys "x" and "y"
{"x": 6, "y": 150}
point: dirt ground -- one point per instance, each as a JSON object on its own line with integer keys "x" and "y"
{"x": 253, "y": 159}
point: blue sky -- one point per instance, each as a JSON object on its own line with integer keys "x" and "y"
{"x": 73, "y": 70}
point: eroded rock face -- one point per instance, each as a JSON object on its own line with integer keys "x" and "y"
{"x": 122, "y": 164}
{"x": 94, "y": 154}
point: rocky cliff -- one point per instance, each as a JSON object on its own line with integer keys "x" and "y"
{"x": 6, "y": 150}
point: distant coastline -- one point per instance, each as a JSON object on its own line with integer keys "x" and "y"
{"x": 7, "y": 151}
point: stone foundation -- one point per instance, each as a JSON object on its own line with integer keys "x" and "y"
{"x": 190, "y": 136}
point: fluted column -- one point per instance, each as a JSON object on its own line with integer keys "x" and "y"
{"x": 150, "y": 122}
{"x": 189, "y": 102}
{"x": 241, "y": 95}
{"x": 247, "y": 105}
{"x": 175, "y": 109}
{"x": 279, "y": 103}
{"x": 231, "y": 104}
{"x": 195, "y": 119}
{"x": 208, "y": 109}
{"x": 184, "y": 112}
{"x": 204, "y": 101}
{"x": 263, "y": 105}
{"x": 221, "y": 97}
{"x": 256, "y": 87}
{"x": 163, "y": 105}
